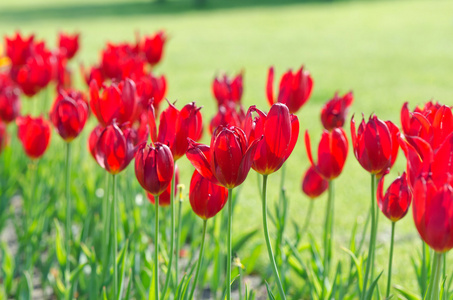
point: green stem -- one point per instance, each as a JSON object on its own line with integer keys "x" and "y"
{"x": 433, "y": 289}
{"x": 328, "y": 236}
{"x": 172, "y": 238}
{"x": 241, "y": 279}
{"x": 307, "y": 217}
{"x": 268, "y": 242}
{"x": 389, "y": 280}
{"x": 230, "y": 221}
{"x": 376, "y": 227}
{"x": 424, "y": 268}
{"x": 372, "y": 237}
{"x": 156, "y": 249}
{"x": 200, "y": 259}
{"x": 106, "y": 233}
{"x": 115, "y": 239}
{"x": 68, "y": 220}
{"x": 178, "y": 240}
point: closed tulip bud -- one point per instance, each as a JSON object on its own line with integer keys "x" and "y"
{"x": 164, "y": 198}
{"x": 294, "y": 90}
{"x": 154, "y": 167}
{"x": 313, "y": 185}
{"x": 68, "y": 44}
{"x": 116, "y": 102}
{"x": 69, "y": 115}
{"x": 229, "y": 158}
{"x": 114, "y": 149}
{"x": 9, "y": 99}
{"x": 395, "y": 203}
{"x": 206, "y": 198}
{"x": 226, "y": 89}
{"x": 34, "y": 133}
{"x": 153, "y": 47}
{"x": 334, "y": 112}
{"x": 280, "y": 131}
{"x": 332, "y": 153}
{"x": 375, "y": 144}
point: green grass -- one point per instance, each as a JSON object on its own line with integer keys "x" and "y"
{"x": 386, "y": 52}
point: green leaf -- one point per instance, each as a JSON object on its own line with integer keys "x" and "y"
{"x": 373, "y": 286}
{"x": 269, "y": 292}
{"x": 406, "y": 294}
{"x": 240, "y": 242}
{"x": 129, "y": 285}
{"x": 358, "y": 267}
{"x": 7, "y": 268}
{"x": 59, "y": 245}
{"x": 122, "y": 258}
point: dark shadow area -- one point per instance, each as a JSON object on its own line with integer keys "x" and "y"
{"x": 72, "y": 11}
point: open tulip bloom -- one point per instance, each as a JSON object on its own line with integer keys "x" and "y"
{"x": 226, "y": 162}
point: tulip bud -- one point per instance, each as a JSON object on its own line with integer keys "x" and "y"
{"x": 34, "y": 133}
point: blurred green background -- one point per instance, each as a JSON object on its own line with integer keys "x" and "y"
{"x": 386, "y": 52}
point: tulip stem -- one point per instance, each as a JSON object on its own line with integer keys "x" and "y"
{"x": 172, "y": 238}
{"x": 68, "y": 221}
{"x": 307, "y": 218}
{"x": 370, "y": 258}
{"x": 115, "y": 239}
{"x": 433, "y": 289}
{"x": 156, "y": 249}
{"x": 200, "y": 259}
{"x": 328, "y": 236}
{"x": 230, "y": 221}
{"x": 268, "y": 242}
{"x": 389, "y": 279}
{"x": 424, "y": 268}
{"x": 106, "y": 223}
{"x": 178, "y": 238}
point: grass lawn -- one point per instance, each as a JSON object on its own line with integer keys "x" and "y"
{"x": 387, "y": 52}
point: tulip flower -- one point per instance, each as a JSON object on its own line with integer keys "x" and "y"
{"x": 9, "y": 99}
{"x": 333, "y": 113}
{"x": 313, "y": 184}
{"x": 93, "y": 139}
{"x": 206, "y": 200}
{"x": 34, "y": 133}
{"x": 94, "y": 73}
{"x": 3, "y": 136}
{"x": 226, "y": 89}
{"x": 154, "y": 167}
{"x": 226, "y": 162}
{"x": 294, "y": 91}
{"x": 68, "y": 44}
{"x": 150, "y": 87}
{"x": 394, "y": 205}
{"x": 120, "y": 61}
{"x": 69, "y": 114}
{"x": 117, "y": 102}
{"x": 114, "y": 149}
{"x": 280, "y": 131}
{"x": 165, "y": 198}
{"x": 228, "y": 115}
{"x": 153, "y": 47}
{"x": 19, "y": 48}
{"x": 62, "y": 74}
{"x": 176, "y": 126}
{"x": 332, "y": 153}
{"x": 375, "y": 144}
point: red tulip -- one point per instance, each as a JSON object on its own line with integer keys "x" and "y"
{"x": 151, "y": 87}
{"x": 226, "y": 89}
{"x": 9, "y": 99}
{"x": 333, "y": 113}
{"x": 176, "y": 126}
{"x": 93, "y": 139}
{"x": 62, "y": 75}
{"x": 154, "y": 167}
{"x": 313, "y": 185}
{"x": 294, "y": 90}
{"x": 397, "y": 199}
{"x": 164, "y": 198}
{"x": 69, "y": 114}
{"x": 34, "y": 133}
{"x": 95, "y": 73}
{"x": 117, "y": 102}
{"x": 153, "y": 47}
{"x": 120, "y": 61}
{"x": 206, "y": 198}
{"x": 229, "y": 158}
{"x": 332, "y": 153}
{"x": 375, "y": 144}
{"x": 228, "y": 115}
{"x": 3, "y": 136}
{"x": 68, "y": 44}
{"x": 114, "y": 148}
{"x": 19, "y": 49}
{"x": 280, "y": 131}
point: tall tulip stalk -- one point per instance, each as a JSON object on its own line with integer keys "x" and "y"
{"x": 226, "y": 162}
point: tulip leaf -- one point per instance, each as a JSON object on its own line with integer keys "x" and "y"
{"x": 7, "y": 267}
{"x": 405, "y": 293}
{"x": 373, "y": 286}
{"x": 129, "y": 285}
{"x": 269, "y": 292}
{"x": 59, "y": 245}
{"x": 122, "y": 258}
{"x": 358, "y": 267}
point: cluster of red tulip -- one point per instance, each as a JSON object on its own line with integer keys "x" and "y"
{"x": 125, "y": 97}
